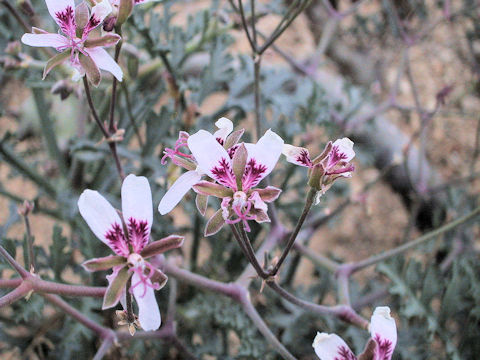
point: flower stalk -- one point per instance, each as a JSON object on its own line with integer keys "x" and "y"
{"x": 106, "y": 134}
{"x": 293, "y": 236}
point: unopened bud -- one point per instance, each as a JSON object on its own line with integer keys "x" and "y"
{"x": 26, "y": 208}
{"x": 109, "y": 23}
{"x": 124, "y": 11}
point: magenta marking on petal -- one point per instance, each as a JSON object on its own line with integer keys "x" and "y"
{"x": 117, "y": 241}
{"x": 223, "y": 173}
{"x": 384, "y": 348}
{"x": 66, "y": 20}
{"x": 335, "y": 156}
{"x": 220, "y": 140}
{"x": 253, "y": 174}
{"x": 345, "y": 353}
{"x": 91, "y": 24}
{"x": 304, "y": 158}
{"x": 232, "y": 150}
{"x": 138, "y": 233}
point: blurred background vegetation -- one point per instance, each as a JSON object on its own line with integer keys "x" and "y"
{"x": 400, "y": 77}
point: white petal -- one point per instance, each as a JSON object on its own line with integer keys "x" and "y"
{"x": 297, "y": 155}
{"x": 148, "y": 311}
{"x": 207, "y": 151}
{"x": 105, "y": 62}
{"x": 137, "y": 199}
{"x": 178, "y": 190}
{"x": 44, "y": 40}
{"x": 383, "y": 328}
{"x": 101, "y": 10}
{"x": 63, "y": 12}
{"x": 98, "y": 213}
{"x": 258, "y": 203}
{"x": 225, "y": 127}
{"x": 331, "y": 347}
{"x": 345, "y": 146}
{"x": 266, "y": 151}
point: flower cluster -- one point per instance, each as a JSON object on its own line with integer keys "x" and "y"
{"x": 234, "y": 170}
{"x": 383, "y": 331}
{"x": 217, "y": 165}
{"x": 129, "y": 238}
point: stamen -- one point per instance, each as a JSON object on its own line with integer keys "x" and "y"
{"x": 241, "y": 209}
{"x": 170, "y": 153}
{"x": 144, "y": 278}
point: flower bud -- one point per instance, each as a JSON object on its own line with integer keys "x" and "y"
{"x": 26, "y": 208}
{"x": 109, "y": 23}
{"x": 124, "y": 10}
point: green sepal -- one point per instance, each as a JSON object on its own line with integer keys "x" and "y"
{"x": 55, "y": 61}
{"x": 116, "y": 288}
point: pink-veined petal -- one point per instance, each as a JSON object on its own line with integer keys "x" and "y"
{"x": 345, "y": 146}
{"x": 258, "y": 203}
{"x": 384, "y": 331}
{"x": 99, "y": 13}
{"x": 137, "y": 210}
{"x": 45, "y": 40}
{"x": 332, "y": 347}
{"x": 178, "y": 190}
{"x": 225, "y": 127}
{"x": 105, "y": 62}
{"x": 148, "y": 311}
{"x": 103, "y": 220}
{"x": 297, "y": 155}
{"x": 262, "y": 158}
{"x": 63, "y": 12}
{"x": 212, "y": 158}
